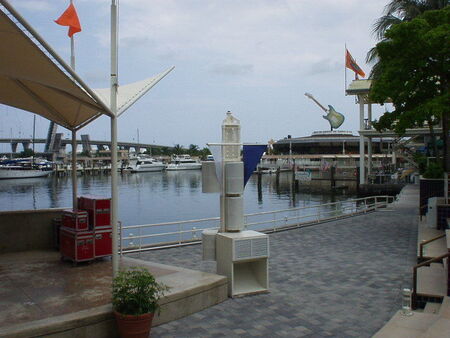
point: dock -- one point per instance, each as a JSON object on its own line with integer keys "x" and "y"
{"x": 336, "y": 279}
{"x": 341, "y": 278}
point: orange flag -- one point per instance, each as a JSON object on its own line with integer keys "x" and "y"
{"x": 351, "y": 64}
{"x": 70, "y": 18}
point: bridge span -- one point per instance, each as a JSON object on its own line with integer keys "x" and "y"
{"x": 87, "y": 144}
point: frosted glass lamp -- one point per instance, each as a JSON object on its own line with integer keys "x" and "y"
{"x": 231, "y": 133}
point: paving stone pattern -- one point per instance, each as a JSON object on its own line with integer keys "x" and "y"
{"x": 336, "y": 279}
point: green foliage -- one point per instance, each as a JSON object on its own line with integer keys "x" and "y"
{"x": 136, "y": 292}
{"x": 421, "y": 161}
{"x": 85, "y": 153}
{"x": 26, "y": 153}
{"x": 178, "y": 149}
{"x": 414, "y": 67}
{"x": 395, "y": 12}
{"x": 434, "y": 170}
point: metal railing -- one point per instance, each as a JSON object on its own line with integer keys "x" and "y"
{"x": 424, "y": 242}
{"x": 414, "y": 294}
{"x": 136, "y": 238}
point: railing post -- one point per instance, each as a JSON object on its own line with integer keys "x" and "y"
{"x": 140, "y": 239}
{"x": 180, "y": 229}
{"x": 414, "y": 292}
{"x": 120, "y": 238}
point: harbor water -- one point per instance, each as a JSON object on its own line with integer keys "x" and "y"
{"x": 156, "y": 197}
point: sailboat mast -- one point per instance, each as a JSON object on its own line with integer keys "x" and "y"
{"x": 34, "y": 135}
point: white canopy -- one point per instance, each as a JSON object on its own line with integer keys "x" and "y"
{"x": 128, "y": 94}
{"x": 34, "y": 78}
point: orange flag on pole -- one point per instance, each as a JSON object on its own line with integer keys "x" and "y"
{"x": 70, "y": 18}
{"x": 351, "y": 64}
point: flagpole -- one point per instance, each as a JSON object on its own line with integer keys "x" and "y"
{"x": 114, "y": 190}
{"x": 72, "y": 49}
{"x": 345, "y": 69}
{"x": 74, "y": 136}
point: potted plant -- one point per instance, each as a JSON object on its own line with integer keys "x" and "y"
{"x": 135, "y": 296}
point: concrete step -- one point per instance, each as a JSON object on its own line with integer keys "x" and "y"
{"x": 401, "y": 326}
{"x": 432, "y": 308}
{"x": 432, "y": 281}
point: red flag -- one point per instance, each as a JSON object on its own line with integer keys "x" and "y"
{"x": 351, "y": 64}
{"x": 70, "y": 18}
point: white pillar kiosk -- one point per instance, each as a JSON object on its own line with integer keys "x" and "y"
{"x": 241, "y": 255}
{"x": 362, "y": 155}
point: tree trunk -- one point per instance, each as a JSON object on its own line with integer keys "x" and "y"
{"x": 445, "y": 138}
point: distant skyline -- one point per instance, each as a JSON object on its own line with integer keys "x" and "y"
{"x": 255, "y": 58}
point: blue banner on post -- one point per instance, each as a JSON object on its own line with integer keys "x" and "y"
{"x": 251, "y": 154}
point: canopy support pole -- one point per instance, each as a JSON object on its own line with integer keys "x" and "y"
{"x": 74, "y": 171}
{"x": 113, "y": 108}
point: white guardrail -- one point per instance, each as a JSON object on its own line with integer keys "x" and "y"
{"x": 136, "y": 238}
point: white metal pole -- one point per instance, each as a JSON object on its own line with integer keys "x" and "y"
{"x": 74, "y": 136}
{"x": 74, "y": 170}
{"x": 72, "y": 49}
{"x": 369, "y": 141}
{"x": 362, "y": 174}
{"x": 114, "y": 190}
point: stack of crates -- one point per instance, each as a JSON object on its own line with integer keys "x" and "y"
{"x": 86, "y": 233}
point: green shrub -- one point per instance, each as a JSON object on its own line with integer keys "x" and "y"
{"x": 434, "y": 170}
{"x": 136, "y": 292}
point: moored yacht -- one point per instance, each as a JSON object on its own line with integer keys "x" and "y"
{"x": 183, "y": 162}
{"x": 145, "y": 164}
{"x": 24, "y": 168}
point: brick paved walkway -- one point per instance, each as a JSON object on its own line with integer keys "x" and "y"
{"x": 337, "y": 279}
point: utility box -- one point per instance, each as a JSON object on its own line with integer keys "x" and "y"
{"x": 432, "y": 212}
{"x": 244, "y": 258}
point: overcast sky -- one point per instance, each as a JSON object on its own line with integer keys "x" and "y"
{"x": 254, "y": 57}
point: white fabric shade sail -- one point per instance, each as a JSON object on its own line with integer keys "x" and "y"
{"x": 34, "y": 78}
{"x": 128, "y": 94}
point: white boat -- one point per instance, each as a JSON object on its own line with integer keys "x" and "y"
{"x": 145, "y": 164}
{"x": 183, "y": 162}
{"x": 24, "y": 168}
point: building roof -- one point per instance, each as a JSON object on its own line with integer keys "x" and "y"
{"x": 359, "y": 87}
{"x": 320, "y": 137}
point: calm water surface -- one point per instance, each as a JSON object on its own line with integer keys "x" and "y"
{"x": 147, "y": 198}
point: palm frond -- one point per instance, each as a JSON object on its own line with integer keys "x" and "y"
{"x": 383, "y": 24}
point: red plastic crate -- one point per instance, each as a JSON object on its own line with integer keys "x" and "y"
{"x": 78, "y": 246}
{"x": 75, "y": 219}
{"x": 103, "y": 242}
{"x": 98, "y": 208}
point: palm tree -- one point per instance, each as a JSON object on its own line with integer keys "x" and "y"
{"x": 395, "y": 12}
{"x": 178, "y": 149}
{"x": 193, "y": 149}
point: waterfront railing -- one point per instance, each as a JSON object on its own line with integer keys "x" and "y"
{"x": 137, "y": 238}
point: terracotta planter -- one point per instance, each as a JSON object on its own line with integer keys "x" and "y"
{"x": 134, "y": 326}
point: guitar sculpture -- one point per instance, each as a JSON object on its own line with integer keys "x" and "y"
{"x": 334, "y": 118}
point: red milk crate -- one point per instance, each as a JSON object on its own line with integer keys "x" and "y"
{"x": 103, "y": 242}
{"x": 99, "y": 210}
{"x": 75, "y": 219}
{"x": 78, "y": 246}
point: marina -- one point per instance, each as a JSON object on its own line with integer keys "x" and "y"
{"x": 252, "y": 233}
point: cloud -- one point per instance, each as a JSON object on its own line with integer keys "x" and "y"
{"x": 34, "y": 5}
{"x": 323, "y": 66}
{"x": 232, "y": 69}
